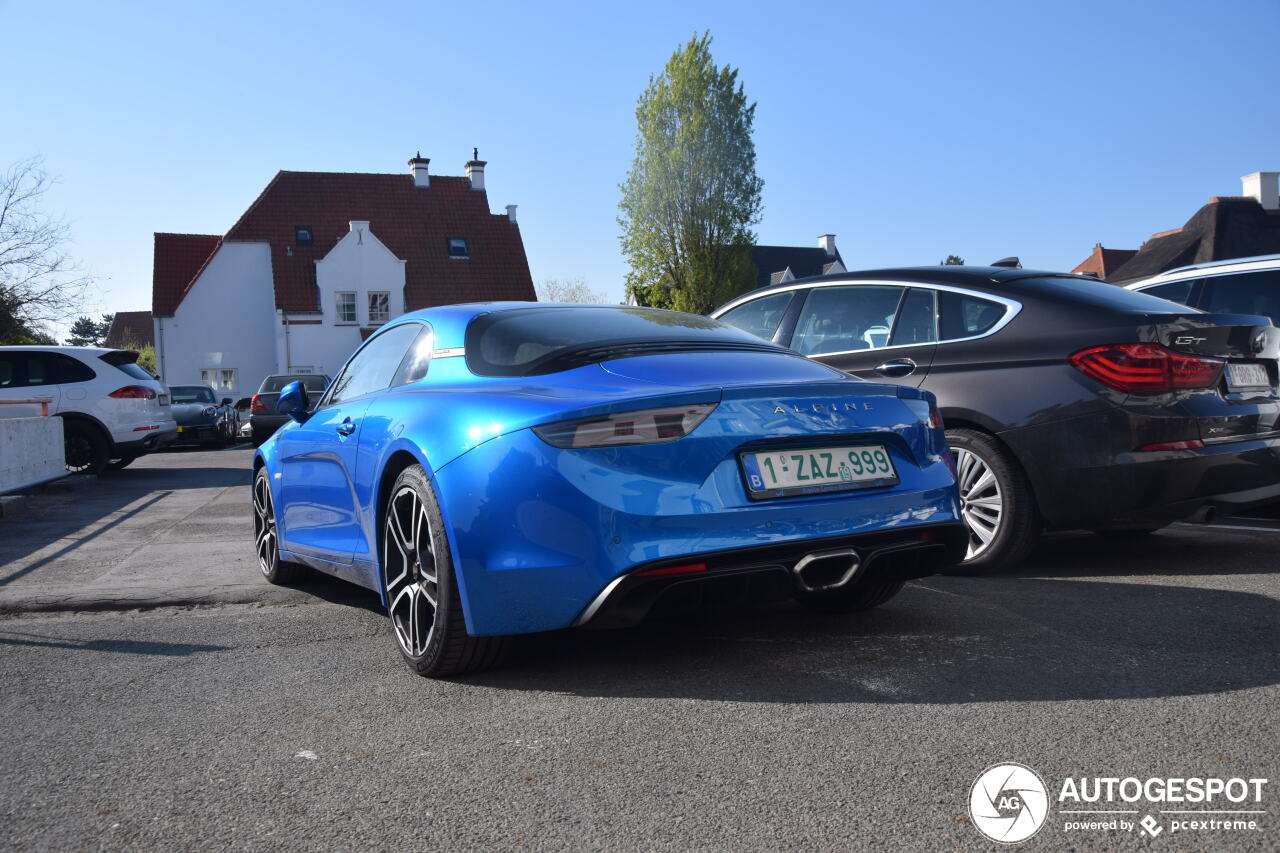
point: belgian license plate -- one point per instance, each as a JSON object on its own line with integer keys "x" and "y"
{"x": 809, "y": 470}
{"x": 1247, "y": 376}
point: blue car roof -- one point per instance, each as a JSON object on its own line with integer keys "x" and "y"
{"x": 449, "y": 322}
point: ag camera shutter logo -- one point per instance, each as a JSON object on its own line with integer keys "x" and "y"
{"x": 1008, "y": 803}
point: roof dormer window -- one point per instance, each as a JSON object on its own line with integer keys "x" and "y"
{"x": 458, "y": 248}
{"x": 302, "y": 235}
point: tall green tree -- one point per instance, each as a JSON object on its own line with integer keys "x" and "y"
{"x": 692, "y": 196}
{"x": 953, "y": 261}
{"x": 85, "y": 332}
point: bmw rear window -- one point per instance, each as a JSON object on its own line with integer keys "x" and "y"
{"x": 1099, "y": 294}
{"x": 533, "y": 341}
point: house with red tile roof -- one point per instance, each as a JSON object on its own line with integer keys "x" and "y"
{"x": 1227, "y": 227}
{"x": 318, "y": 262}
{"x": 1103, "y": 262}
{"x": 130, "y": 329}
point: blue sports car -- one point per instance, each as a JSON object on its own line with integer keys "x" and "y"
{"x": 505, "y": 468}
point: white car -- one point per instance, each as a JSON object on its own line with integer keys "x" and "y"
{"x": 1235, "y": 286}
{"x": 113, "y": 410}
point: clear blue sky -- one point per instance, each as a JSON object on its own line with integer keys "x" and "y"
{"x": 910, "y": 129}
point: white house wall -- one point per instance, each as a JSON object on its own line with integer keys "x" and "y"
{"x": 359, "y": 263}
{"x": 225, "y": 321}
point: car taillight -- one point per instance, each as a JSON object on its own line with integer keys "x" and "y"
{"x": 649, "y": 426}
{"x": 133, "y": 392}
{"x": 255, "y": 405}
{"x": 689, "y": 569}
{"x": 1147, "y": 367}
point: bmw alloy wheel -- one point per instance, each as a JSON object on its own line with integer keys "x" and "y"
{"x": 981, "y": 501}
{"x": 409, "y": 572}
{"x": 264, "y": 526}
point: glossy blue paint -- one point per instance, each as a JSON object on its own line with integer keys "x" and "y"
{"x": 538, "y": 531}
{"x": 293, "y": 401}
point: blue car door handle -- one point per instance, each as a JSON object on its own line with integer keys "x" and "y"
{"x": 346, "y": 427}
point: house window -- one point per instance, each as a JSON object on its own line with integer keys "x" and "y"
{"x": 346, "y": 307}
{"x": 379, "y": 307}
{"x": 458, "y": 248}
{"x": 302, "y": 235}
{"x": 219, "y": 378}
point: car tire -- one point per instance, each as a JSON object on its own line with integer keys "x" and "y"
{"x": 266, "y": 538}
{"x": 421, "y": 585}
{"x": 863, "y": 595}
{"x": 85, "y": 447}
{"x": 122, "y": 462}
{"x": 997, "y": 504}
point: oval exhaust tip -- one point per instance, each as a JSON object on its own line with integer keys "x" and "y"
{"x": 823, "y": 570}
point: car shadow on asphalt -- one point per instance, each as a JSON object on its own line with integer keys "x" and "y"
{"x": 1179, "y": 550}
{"x": 174, "y": 479}
{"x": 337, "y": 591}
{"x": 131, "y": 647}
{"x": 942, "y": 641}
{"x": 79, "y": 512}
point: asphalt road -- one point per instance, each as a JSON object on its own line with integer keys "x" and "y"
{"x": 294, "y": 726}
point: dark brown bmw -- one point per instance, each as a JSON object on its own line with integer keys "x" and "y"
{"x": 1069, "y": 403}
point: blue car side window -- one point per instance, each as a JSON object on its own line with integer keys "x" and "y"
{"x": 373, "y": 366}
{"x": 417, "y": 359}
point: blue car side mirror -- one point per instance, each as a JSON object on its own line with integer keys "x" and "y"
{"x": 294, "y": 402}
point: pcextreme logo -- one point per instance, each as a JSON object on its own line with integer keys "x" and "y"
{"x": 1010, "y": 803}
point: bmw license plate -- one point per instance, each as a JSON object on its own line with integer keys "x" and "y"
{"x": 1247, "y": 376}
{"x": 810, "y": 470}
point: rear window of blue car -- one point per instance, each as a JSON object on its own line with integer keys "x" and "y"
{"x": 533, "y": 341}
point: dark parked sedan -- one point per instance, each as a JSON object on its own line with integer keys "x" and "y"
{"x": 1069, "y": 403}
{"x": 264, "y": 420}
{"x": 201, "y": 417}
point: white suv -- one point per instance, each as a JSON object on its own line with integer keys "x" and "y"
{"x": 113, "y": 410}
{"x": 1235, "y": 286}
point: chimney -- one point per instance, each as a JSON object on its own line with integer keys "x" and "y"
{"x": 827, "y": 243}
{"x": 1263, "y": 187}
{"x": 418, "y": 168}
{"x": 511, "y": 214}
{"x": 475, "y": 170}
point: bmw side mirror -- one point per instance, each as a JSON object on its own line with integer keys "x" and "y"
{"x": 294, "y": 402}
{"x": 226, "y": 401}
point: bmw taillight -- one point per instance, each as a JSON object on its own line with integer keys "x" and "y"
{"x": 256, "y": 404}
{"x": 648, "y": 426}
{"x": 133, "y": 392}
{"x": 1147, "y": 367}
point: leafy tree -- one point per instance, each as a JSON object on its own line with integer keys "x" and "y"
{"x": 86, "y": 333}
{"x": 39, "y": 283}
{"x": 146, "y": 355}
{"x": 953, "y": 261}
{"x": 692, "y": 196}
{"x": 569, "y": 290}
